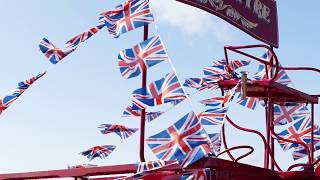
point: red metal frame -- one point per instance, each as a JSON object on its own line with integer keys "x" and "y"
{"x": 255, "y": 132}
{"x": 223, "y": 170}
{"x": 238, "y": 147}
{"x": 270, "y": 89}
{"x": 143, "y": 111}
{"x": 312, "y": 131}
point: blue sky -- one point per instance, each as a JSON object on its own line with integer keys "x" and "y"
{"x": 58, "y": 116}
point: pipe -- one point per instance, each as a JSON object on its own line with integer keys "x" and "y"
{"x": 225, "y": 143}
{"x": 238, "y": 147}
{"x": 143, "y": 111}
{"x": 236, "y": 49}
{"x": 297, "y": 165}
{"x": 255, "y": 132}
{"x": 303, "y": 164}
{"x": 301, "y": 69}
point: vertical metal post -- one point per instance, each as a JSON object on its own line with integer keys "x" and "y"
{"x": 143, "y": 111}
{"x": 266, "y": 150}
{"x": 269, "y": 127}
{"x": 312, "y": 135}
{"x": 271, "y": 119}
{"x": 271, "y": 115}
{"x": 226, "y": 56}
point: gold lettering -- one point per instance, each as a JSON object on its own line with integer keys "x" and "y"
{"x": 248, "y": 4}
{"x": 261, "y": 10}
{"x": 266, "y": 13}
{"x": 257, "y": 8}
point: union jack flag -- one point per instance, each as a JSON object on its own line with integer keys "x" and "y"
{"x": 195, "y": 154}
{"x": 165, "y": 90}
{"x": 261, "y": 74}
{"x": 74, "y": 42}
{"x": 202, "y": 83}
{"x": 216, "y": 142}
{"x": 122, "y": 131}
{"x": 53, "y": 53}
{"x": 299, "y": 153}
{"x": 316, "y": 137}
{"x": 218, "y": 101}
{"x": 130, "y": 15}
{"x": 176, "y": 102}
{"x": 281, "y": 78}
{"x": 286, "y": 114}
{"x": 248, "y": 102}
{"x": 130, "y": 112}
{"x": 300, "y": 131}
{"x": 201, "y": 174}
{"x": 150, "y": 116}
{"x": 141, "y": 57}
{"x": 6, "y": 101}
{"x": 263, "y": 69}
{"x": 236, "y": 64}
{"x": 150, "y": 165}
{"x": 216, "y": 70}
{"x": 220, "y": 68}
{"x": 179, "y": 140}
{"x": 143, "y": 167}
{"x": 219, "y": 62}
{"x": 213, "y": 116}
{"x": 137, "y": 105}
{"x": 98, "y": 151}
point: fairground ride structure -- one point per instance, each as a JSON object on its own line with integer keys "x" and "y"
{"x": 258, "y": 18}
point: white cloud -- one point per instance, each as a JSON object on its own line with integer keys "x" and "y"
{"x": 190, "y": 20}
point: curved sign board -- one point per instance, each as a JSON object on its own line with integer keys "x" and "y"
{"x": 258, "y": 18}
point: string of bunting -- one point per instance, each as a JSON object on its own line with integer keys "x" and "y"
{"x": 186, "y": 141}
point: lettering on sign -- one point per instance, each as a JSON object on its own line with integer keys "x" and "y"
{"x": 258, "y": 18}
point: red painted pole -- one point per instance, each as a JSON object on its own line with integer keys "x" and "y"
{"x": 271, "y": 109}
{"x": 143, "y": 111}
{"x": 271, "y": 117}
{"x": 312, "y": 135}
{"x": 266, "y": 151}
{"x": 269, "y": 129}
{"x": 226, "y": 55}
